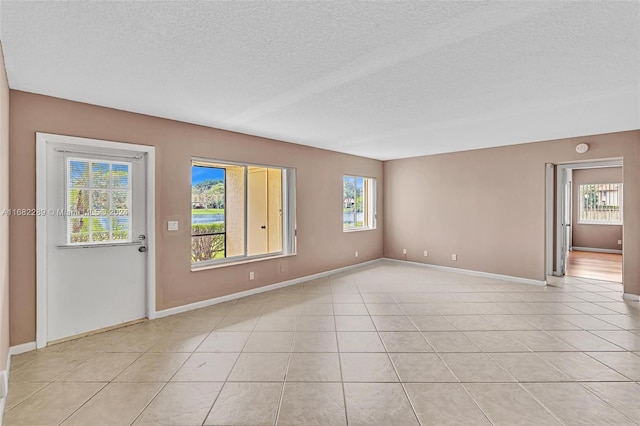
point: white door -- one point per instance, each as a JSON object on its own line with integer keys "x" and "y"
{"x": 95, "y": 238}
{"x": 564, "y": 219}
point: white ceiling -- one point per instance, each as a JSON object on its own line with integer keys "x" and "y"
{"x": 377, "y": 79}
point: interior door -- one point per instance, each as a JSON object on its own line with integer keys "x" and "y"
{"x": 563, "y": 230}
{"x": 257, "y": 211}
{"x": 96, "y": 227}
{"x": 568, "y": 213}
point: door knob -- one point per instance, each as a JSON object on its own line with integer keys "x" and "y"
{"x": 263, "y": 227}
{"x": 142, "y": 249}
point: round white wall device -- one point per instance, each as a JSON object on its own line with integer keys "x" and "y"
{"x": 582, "y": 148}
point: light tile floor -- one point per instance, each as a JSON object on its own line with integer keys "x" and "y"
{"x": 390, "y": 344}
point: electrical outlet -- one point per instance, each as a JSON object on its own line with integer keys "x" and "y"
{"x": 404, "y": 251}
{"x": 454, "y": 257}
{"x": 356, "y": 253}
{"x": 252, "y": 275}
{"x": 426, "y": 253}
{"x": 282, "y": 267}
{"x": 619, "y": 242}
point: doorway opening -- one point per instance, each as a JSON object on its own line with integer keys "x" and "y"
{"x": 585, "y": 220}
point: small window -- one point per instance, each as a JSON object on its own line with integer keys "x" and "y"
{"x": 98, "y": 198}
{"x": 600, "y": 204}
{"x": 358, "y": 203}
{"x": 240, "y": 211}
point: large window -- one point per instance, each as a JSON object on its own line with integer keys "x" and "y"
{"x": 600, "y": 204}
{"x": 240, "y": 211}
{"x": 358, "y": 203}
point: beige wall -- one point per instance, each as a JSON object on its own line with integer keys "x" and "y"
{"x": 321, "y": 243}
{"x": 4, "y": 220}
{"x": 594, "y": 236}
{"x": 487, "y": 206}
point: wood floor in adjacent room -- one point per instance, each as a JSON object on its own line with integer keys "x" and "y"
{"x": 388, "y": 344}
{"x": 596, "y": 266}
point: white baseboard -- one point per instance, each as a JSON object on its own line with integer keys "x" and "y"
{"x": 216, "y": 300}
{"x": 597, "y": 250}
{"x": 632, "y": 297}
{"x": 475, "y": 273}
{"x": 20, "y": 349}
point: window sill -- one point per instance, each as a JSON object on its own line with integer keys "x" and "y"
{"x": 196, "y": 268}
{"x": 605, "y": 224}
{"x": 358, "y": 230}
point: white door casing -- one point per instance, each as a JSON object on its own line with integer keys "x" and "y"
{"x": 83, "y": 287}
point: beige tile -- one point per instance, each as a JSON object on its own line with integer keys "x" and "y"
{"x": 100, "y": 342}
{"x": 281, "y": 309}
{"x": 623, "y": 396}
{"x": 312, "y": 404}
{"x": 49, "y": 366}
{"x": 52, "y": 404}
{"x": 199, "y": 323}
{"x": 421, "y": 368}
{"x": 120, "y": 403}
{"x": 470, "y": 322}
{"x": 476, "y": 367}
{"x": 550, "y": 322}
{"x": 495, "y": 341}
{"x": 354, "y": 323}
{"x": 625, "y": 363}
{"x": 510, "y": 322}
{"x": 587, "y": 322}
{"x": 206, "y": 367}
{"x": 404, "y": 341}
{"x": 269, "y": 341}
{"x": 367, "y": 367}
{"x": 448, "y": 341}
{"x": 378, "y": 404}
{"x": 275, "y": 323}
{"x": 541, "y": 341}
{"x": 237, "y": 323}
{"x": 102, "y": 367}
{"x": 138, "y": 341}
{"x": 574, "y": 405}
{"x": 393, "y": 323}
{"x": 180, "y": 404}
{"x": 316, "y": 309}
{"x": 529, "y": 367}
{"x": 585, "y": 341}
{"x": 153, "y": 367}
{"x": 581, "y": 367}
{"x": 314, "y": 367}
{"x": 433, "y": 323}
{"x": 419, "y": 308}
{"x": 624, "y": 339}
{"x": 246, "y": 404}
{"x": 314, "y": 341}
{"x": 19, "y": 391}
{"x": 179, "y": 341}
{"x": 316, "y": 323}
{"x": 384, "y": 309}
{"x": 246, "y": 310}
{"x": 444, "y": 404}
{"x": 508, "y": 404}
{"x": 339, "y": 298}
{"x": 224, "y": 341}
{"x": 260, "y": 367}
{"x": 350, "y": 309}
{"x": 359, "y": 341}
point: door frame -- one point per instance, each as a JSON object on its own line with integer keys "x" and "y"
{"x": 42, "y": 141}
{"x": 554, "y": 198}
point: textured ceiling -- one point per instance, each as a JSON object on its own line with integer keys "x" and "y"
{"x": 378, "y": 79}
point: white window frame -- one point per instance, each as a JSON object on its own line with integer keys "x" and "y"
{"x": 289, "y": 233}
{"x": 370, "y": 213}
{"x": 581, "y": 207}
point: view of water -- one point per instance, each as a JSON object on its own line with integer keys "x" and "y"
{"x": 206, "y": 218}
